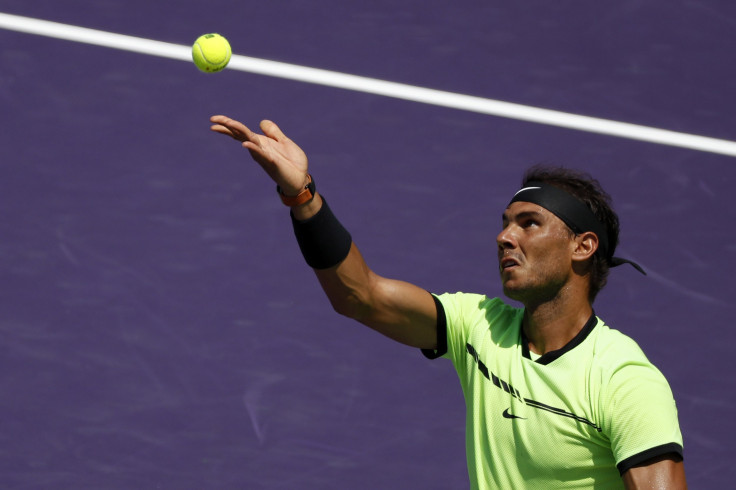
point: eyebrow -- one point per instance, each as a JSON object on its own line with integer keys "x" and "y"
{"x": 522, "y": 215}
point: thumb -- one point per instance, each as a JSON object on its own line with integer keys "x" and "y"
{"x": 271, "y": 130}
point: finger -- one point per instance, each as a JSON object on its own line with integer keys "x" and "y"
{"x": 232, "y": 128}
{"x": 221, "y": 129}
{"x": 228, "y": 132}
{"x": 220, "y": 121}
{"x": 220, "y": 124}
{"x": 253, "y": 148}
{"x": 271, "y": 130}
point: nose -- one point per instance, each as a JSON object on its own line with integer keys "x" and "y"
{"x": 506, "y": 239}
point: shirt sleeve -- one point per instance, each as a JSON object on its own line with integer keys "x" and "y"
{"x": 441, "y": 332}
{"x": 452, "y": 327}
{"x": 640, "y": 414}
{"x": 458, "y": 315}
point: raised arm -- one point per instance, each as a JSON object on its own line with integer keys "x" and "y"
{"x": 397, "y": 309}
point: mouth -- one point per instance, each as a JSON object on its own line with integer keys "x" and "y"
{"x": 507, "y": 263}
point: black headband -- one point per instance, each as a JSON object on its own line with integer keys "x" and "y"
{"x": 574, "y": 213}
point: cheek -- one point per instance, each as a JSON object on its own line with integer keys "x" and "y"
{"x": 550, "y": 250}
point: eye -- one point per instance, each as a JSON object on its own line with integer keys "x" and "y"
{"x": 529, "y": 223}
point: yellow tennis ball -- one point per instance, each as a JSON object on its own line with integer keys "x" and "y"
{"x": 211, "y": 52}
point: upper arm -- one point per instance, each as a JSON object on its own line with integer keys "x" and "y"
{"x": 403, "y": 312}
{"x": 397, "y": 309}
{"x": 665, "y": 472}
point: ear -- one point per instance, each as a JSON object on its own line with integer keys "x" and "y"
{"x": 585, "y": 245}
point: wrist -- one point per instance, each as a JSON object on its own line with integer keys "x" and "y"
{"x": 305, "y": 211}
{"x": 302, "y": 196}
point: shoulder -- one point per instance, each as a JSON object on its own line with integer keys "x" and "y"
{"x": 627, "y": 378}
{"x": 468, "y": 306}
{"x": 633, "y": 390}
{"x": 475, "y": 316}
{"x": 615, "y": 350}
{"x": 477, "y": 320}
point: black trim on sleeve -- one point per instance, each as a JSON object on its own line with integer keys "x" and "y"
{"x": 637, "y": 459}
{"x": 441, "y": 333}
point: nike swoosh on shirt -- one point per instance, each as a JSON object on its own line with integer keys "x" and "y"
{"x": 508, "y": 415}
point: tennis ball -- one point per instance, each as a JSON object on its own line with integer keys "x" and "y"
{"x": 211, "y": 53}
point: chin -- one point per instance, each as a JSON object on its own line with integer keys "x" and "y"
{"x": 515, "y": 293}
{"x": 531, "y": 293}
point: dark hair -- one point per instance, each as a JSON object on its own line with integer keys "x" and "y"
{"x": 589, "y": 191}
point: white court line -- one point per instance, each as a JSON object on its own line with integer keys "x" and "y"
{"x": 374, "y": 86}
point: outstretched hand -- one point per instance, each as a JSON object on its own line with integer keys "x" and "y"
{"x": 280, "y": 157}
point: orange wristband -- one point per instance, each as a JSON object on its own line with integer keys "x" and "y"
{"x": 303, "y": 197}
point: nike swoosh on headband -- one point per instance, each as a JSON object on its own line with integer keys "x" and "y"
{"x": 525, "y": 189}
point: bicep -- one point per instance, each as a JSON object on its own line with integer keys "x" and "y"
{"x": 666, "y": 473}
{"x": 403, "y": 312}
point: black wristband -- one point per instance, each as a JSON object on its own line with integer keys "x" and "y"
{"x": 324, "y": 242}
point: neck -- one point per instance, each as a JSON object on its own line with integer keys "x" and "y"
{"x": 550, "y": 325}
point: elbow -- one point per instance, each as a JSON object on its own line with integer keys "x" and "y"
{"x": 351, "y": 295}
{"x": 351, "y": 307}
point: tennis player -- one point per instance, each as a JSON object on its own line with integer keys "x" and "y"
{"x": 555, "y": 398}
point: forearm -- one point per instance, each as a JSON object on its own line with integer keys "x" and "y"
{"x": 348, "y": 285}
{"x": 327, "y": 247}
{"x": 341, "y": 269}
{"x": 399, "y": 310}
